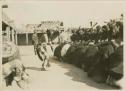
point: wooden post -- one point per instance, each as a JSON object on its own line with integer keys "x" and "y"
{"x": 8, "y": 33}
{"x": 12, "y": 32}
{"x": 16, "y": 38}
{"x": 11, "y": 35}
{"x": 27, "y": 38}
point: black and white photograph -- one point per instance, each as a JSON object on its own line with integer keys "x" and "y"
{"x": 62, "y": 45}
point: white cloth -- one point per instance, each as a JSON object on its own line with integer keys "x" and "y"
{"x": 64, "y": 49}
{"x": 64, "y": 37}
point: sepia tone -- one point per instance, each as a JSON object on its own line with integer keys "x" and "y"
{"x": 67, "y": 46}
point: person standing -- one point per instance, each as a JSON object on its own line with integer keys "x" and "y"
{"x": 35, "y": 40}
{"x": 62, "y": 37}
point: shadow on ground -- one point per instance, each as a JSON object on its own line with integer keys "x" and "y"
{"x": 79, "y": 75}
{"x": 34, "y": 68}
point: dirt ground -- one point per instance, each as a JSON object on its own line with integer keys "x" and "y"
{"x": 59, "y": 77}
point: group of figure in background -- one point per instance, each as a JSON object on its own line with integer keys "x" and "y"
{"x": 112, "y": 30}
{"x": 99, "y": 52}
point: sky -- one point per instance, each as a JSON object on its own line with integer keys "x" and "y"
{"x": 73, "y": 14}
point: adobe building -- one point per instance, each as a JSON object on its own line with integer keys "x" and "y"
{"x": 24, "y": 36}
{"x": 8, "y": 28}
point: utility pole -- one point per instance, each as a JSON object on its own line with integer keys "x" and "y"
{"x": 122, "y": 17}
{"x": 3, "y": 6}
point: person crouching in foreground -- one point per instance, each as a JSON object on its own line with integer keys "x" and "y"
{"x": 13, "y": 69}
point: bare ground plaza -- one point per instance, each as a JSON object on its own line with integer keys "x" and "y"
{"x": 59, "y": 77}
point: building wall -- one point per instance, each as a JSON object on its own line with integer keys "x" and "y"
{"x": 21, "y": 39}
{"x": 26, "y": 38}
{"x": 8, "y": 29}
{"x": 30, "y": 38}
